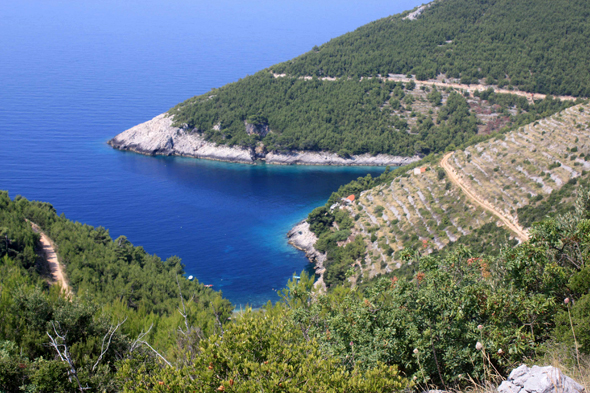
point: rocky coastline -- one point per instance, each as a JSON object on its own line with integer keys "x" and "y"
{"x": 302, "y": 238}
{"x": 159, "y": 137}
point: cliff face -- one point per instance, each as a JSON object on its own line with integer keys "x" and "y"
{"x": 159, "y": 137}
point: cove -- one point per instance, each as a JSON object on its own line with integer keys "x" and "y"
{"x": 230, "y": 220}
{"x": 75, "y": 74}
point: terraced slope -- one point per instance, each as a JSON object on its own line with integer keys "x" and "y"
{"x": 427, "y": 211}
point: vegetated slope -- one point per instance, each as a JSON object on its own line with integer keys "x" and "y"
{"x": 426, "y": 212}
{"x": 533, "y": 45}
{"x": 111, "y": 282}
{"x": 460, "y": 318}
{"x": 429, "y": 327}
{"x": 349, "y": 117}
{"x": 135, "y": 324}
{"x": 332, "y": 98}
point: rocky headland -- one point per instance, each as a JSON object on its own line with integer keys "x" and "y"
{"x": 159, "y": 137}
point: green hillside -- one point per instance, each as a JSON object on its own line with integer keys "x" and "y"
{"x": 460, "y": 318}
{"x": 534, "y": 45}
{"x": 334, "y": 98}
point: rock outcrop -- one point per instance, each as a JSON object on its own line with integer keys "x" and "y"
{"x": 257, "y": 129}
{"x": 302, "y": 238}
{"x": 159, "y": 137}
{"x": 539, "y": 380}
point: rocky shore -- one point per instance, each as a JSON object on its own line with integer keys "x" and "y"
{"x": 302, "y": 238}
{"x": 159, "y": 137}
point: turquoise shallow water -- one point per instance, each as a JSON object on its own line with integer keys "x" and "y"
{"x": 74, "y": 74}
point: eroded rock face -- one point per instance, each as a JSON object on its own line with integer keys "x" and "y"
{"x": 325, "y": 158}
{"x": 539, "y": 380}
{"x": 258, "y": 129}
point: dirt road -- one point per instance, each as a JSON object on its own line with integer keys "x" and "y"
{"x": 473, "y": 88}
{"x": 507, "y": 220}
{"x": 50, "y": 256}
{"x": 438, "y": 83}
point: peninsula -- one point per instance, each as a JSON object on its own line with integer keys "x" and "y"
{"x": 389, "y": 93}
{"x": 160, "y": 137}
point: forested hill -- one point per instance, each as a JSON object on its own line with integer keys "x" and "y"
{"x": 535, "y": 45}
{"x": 331, "y": 98}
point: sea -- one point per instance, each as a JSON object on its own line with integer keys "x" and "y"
{"x": 73, "y": 74}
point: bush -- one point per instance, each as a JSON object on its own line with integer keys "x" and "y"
{"x": 264, "y": 351}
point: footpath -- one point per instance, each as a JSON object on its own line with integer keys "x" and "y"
{"x": 510, "y": 222}
{"x": 50, "y": 256}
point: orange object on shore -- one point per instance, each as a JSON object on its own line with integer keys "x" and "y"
{"x": 351, "y": 198}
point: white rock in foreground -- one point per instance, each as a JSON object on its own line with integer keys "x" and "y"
{"x": 539, "y": 380}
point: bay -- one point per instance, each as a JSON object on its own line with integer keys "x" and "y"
{"x": 74, "y": 74}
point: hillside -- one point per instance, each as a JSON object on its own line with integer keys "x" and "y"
{"x": 508, "y": 178}
{"x": 393, "y": 335}
{"x": 351, "y": 96}
{"x": 532, "y": 45}
{"x": 115, "y": 291}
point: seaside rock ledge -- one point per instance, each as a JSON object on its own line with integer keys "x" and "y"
{"x": 159, "y": 137}
{"x": 302, "y": 238}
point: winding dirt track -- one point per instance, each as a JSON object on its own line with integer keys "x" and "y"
{"x": 470, "y": 88}
{"x": 50, "y": 256}
{"x": 508, "y": 221}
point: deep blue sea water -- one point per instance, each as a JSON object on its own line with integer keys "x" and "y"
{"x": 75, "y": 73}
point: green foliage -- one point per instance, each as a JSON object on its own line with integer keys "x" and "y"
{"x": 113, "y": 283}
{"x": 567, "y": 239}
{"x": 264, "y": 351}
{"x": 435, "y": 97}
{"x": 533, "y": 44}
{"x": 436, "y": 313}
{"x": 345, "y": 116}
{"x": 488, "y": 239}
{"x": 558, "y": 202}
{"x": 320, "y": 220}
